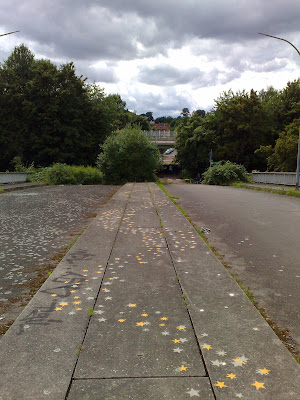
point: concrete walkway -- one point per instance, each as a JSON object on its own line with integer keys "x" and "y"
{"x": 140, "y": 308}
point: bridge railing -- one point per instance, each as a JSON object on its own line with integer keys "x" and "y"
{"x": 159, "y": 136}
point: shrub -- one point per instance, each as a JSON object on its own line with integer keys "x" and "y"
{"x": 225, "y": 174}
{"x": 128, "y": 156}
{"x": 62, "y": 174}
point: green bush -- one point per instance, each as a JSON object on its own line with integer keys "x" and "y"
{"x": 128, "y": 156}
{"x": 225, "y": 174}
{"x": 62, "y": 174}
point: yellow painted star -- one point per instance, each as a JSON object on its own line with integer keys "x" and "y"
{"x": 76, "y": 302}
{"x": 207, "y": 347}
{"x": 176, "y": 341}
{"x": 105, "y": 290}
{"x": 53, "y": 295}
{"x": 73, "y": 291}
{"x": 121, "y": 320}
{"x": 85, "y": 270}
{"x": 140, "y": 324}
{"x": 144, "y": 315}
{"x": 76, "y": 297}
{"x": 183, "y": 368}
{"x": 258, "y": 385}
{"x": 162, "y": 324}
{"x": 58, "y": 308}
{"x": 67, "y": 281}
{"x": 221, "y": 384}
{"x": 180, "y": 328}
{"x": 99, "y": 272}
{"x": 99, "y": 266}
{"x": 77, "y": 283}
{"x": 164, "y": 318}
{"x": 78, "y": 309}
{"x": 231, "y": 376}
{"x": 111, "y": 279}
{"x": 264, "y": 371}
{"x": 239, "y": 361}
{"x": 131, "y": 305}
{"x": 63, "y": 304}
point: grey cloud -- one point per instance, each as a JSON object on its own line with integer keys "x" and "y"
{"x": 112, "y": 29}
{"x": 168, "y": 103}
{"x": 166, "y": 75}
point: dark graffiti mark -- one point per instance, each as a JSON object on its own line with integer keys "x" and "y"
{"x": 65, "y": 283}
{"x": 39, "y": 316}
{"x": 63, "y": 286}
{"x": 79, "y": 255}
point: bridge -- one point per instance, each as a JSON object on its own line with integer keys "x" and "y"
{"x": 164, "y": 139}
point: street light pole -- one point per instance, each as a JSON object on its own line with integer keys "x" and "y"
{"x": 298, "y": 156}
{"x": 9, "y": 33}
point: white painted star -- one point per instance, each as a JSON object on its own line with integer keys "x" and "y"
{"x": 221, "y": 353}
{"x": 108, "y": 298}
{"x": 204, "y": 334}
{"x": 88, "y": 288}
{"x": 165, "y": 333}
{"x": 90, "y": 298}
{"x": 102, "y": 319}
{"x": 193, "y": 393}
{"x": 145, "y": 329}
{"x": 216, "y": 363}
{"x": 99, "y": 312}
{"x": 107, "y": 283}
{"x": 95, "y": 277}
{"x": 239, "y": 395}
{"x": 183, "y": 340}
{"x": 177, "y": 350}
{"x": 74, "y": 286}
{"x": 71, "y": 312}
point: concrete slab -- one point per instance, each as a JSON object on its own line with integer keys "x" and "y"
{"x": 144, "y": 329}
{"x": 137, "y": 389}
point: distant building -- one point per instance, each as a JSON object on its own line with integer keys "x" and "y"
{"x": 162, "y": 128}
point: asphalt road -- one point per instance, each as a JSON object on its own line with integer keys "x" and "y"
{"x": 36, "y": 227}
{"x": 258, "y": 235}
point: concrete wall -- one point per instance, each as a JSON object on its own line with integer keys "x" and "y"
{"x": 13, "y": 177}
{"x": 278, "y": 178}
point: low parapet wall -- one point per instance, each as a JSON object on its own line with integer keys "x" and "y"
{"x": 278, "y": 178}
{"x": 13, "y": 177}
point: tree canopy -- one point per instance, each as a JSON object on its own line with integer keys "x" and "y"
{"x": 49, "y": 114}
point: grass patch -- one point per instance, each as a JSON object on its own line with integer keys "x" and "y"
{"x": 1, "y": 191}
{"x": 289, "y": 192}
{"x": 91, "y": 311}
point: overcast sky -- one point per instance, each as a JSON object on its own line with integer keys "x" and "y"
{"x": 162, "y": 55}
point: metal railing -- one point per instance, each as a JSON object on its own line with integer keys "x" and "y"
{"x": 278, "y": 178}
{"x": 160, "y": 136}
{"x": 14, "y": 177}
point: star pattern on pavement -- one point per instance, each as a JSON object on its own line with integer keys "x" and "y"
{"x": 221, "y": 384}
{"x": 193, "y": 393}
{"x": 258, "y": 385}
{"x": 263, "y": 371}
